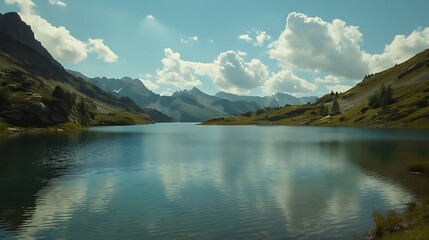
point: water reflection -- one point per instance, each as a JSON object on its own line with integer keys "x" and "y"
{"x": 185, "y": 181}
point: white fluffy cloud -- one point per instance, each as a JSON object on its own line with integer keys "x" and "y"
{"x": 229, "y": 71}
{"x": 261, "y": 37}
{"x": 287, "y": 81}
{"x": 334, "y": 48}
{"x": 58, "y": 40}
{"x": 103, "y": 51}
{"x": 149, "y": 84}
{"x": 58, "y": 3}
{"x": 245, "y": 37}
{"x": 242, "y": 53}
{"x": 176, "y": 72}
{"x": 402, "y": 45}
{"x": 400, "y": 49}
{"x": 311, "y": 44}
{"x": 331, "y": 51}
{"x": 237, "y": 75}
{"x": 25, "y": 5}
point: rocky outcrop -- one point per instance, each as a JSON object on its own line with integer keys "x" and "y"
{"x": 12, "y": 26}
{"x": 38, "y": 114}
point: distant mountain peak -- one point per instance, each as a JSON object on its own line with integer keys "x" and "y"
{"x": 193, "y": 91}
{"x": 196, "y": 90}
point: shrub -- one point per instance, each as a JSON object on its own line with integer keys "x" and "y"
{"x": 335, "y": 109}
{"x": 393, "y": 222}
{"x": 324, "y": 110}
{"x": 381, "y": 98}
{"x": 68, "y": 97}
{"x": 5, "y": 100}
{"x": 418, "y": 166}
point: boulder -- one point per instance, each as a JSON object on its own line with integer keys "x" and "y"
{"x": 12, "y": 115}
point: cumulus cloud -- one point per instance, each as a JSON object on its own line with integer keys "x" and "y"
{"x": 287, "y": 81}
{"x": 26, "y": 6}
{"x": 400, "y": 49}
{"x": 331, "y": 51}
{"x": 149, "y": 84}
{"x": 261, "y": 37}
{"x": 103, "y": 51}
{"x": 58, "y": 3}
{"x": 237, "y": 75}
{"x": 311, "y": 44}
{"x": 176, "y": 72}
{"x": 256, "y": 37}
{"x": 58, "y": 40}
{"x": 334, "y": 48}
{"x": 242, "y": 53}
{"x": 245, "y": 37}
{"x": 229, "y": 71}
{"x": 402, "y": 45}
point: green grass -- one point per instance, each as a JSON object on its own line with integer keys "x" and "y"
{"x": 117, "y": 118}
{"x": 413, "y": 223}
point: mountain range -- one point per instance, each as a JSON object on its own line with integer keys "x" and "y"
{"x": 277, "y": 100}
{"x": 190, "y": 105}
{"x": 36, "y": 90}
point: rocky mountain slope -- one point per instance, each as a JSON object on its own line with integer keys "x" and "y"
{"x": 277, "y": 100}
{"x": 194, "y": 105}
{"x": 184, "y": 106}
{"x": 395, "y": 98}
{"x": 190, "y": 105}
{"x": 36, "y": 91}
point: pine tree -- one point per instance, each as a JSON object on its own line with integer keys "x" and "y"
{"x": 335, "y": 109}
{"x": 381, "y": 98}
{"x": 323, "y": 109}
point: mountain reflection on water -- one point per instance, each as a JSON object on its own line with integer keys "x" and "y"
{"x": 187, "y": 181}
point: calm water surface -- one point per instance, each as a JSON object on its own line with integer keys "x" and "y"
{"x": 183, "y": 181}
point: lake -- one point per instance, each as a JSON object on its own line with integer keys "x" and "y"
{"x": 185, "y": 181}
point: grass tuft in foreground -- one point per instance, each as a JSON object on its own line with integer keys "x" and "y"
{"x": 413, "y": 223}
{"x": 420, "y": 167}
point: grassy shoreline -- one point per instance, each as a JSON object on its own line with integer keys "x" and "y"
{"x": 110, "y": 119}
{"x": 412, "y": 223}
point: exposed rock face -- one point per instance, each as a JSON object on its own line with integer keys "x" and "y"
{"x": 38, "y": 114}
{"x": 12, "y": 26}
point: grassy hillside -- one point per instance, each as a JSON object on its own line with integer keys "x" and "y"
{"x": 37, "y": 92}
{"x": 406, "y": 108}
{"x": 27, "y": 97}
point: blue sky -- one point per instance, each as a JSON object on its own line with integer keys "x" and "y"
{"x": 246, "y": 47}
